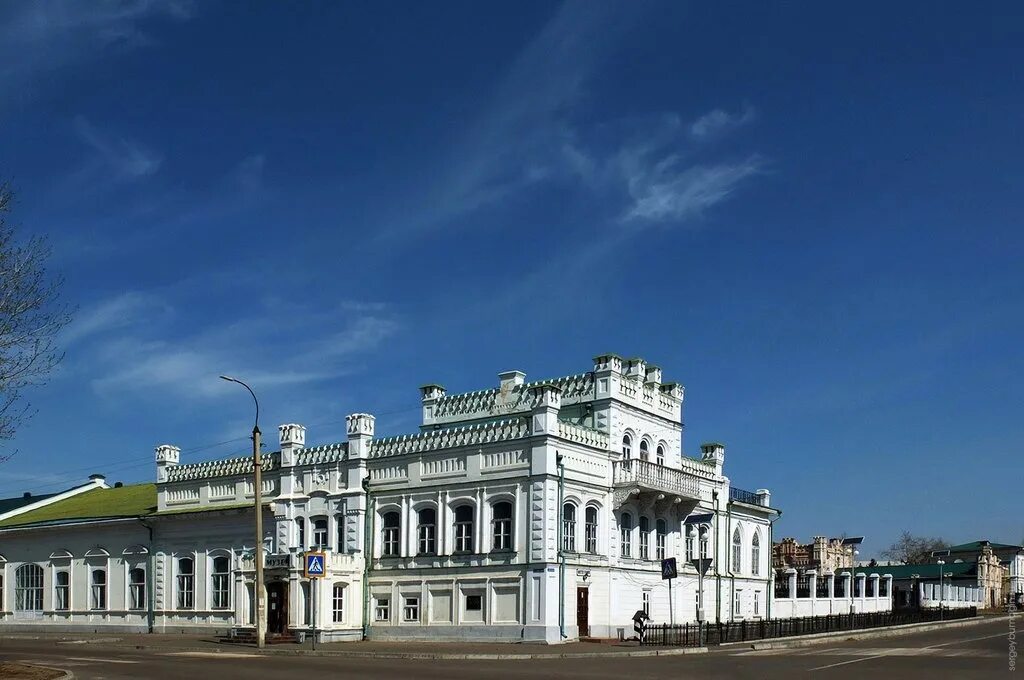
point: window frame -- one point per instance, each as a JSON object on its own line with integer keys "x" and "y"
{"x": 134, "y": 586}
{"x": 220, "y": 582}
{"x": 321, "y": 534}
{"x": 185, "y": 584}
{"x": 390, "y": 534}
{"x": 411, "y": 605}
{"x": 382, "y": 605}
{"x": 590, "y": 529}
{"x": 644, "y": 526}
{"x": 626, "y": 535}
{"x": 660, "y": 539}
{"x": 59, "y": 589}
{"x": 426, "y": 532}
{"x": 502, "y": 527}
{"x": 755, "y": 554}
{"x": 464, "y": 529}
{"x": 569, "y": 527}
{"x": 736, "y": 563}
{"x": 98, "y": 600}
{"x": 28, "y": 583}
{"x": 338, "y": 602}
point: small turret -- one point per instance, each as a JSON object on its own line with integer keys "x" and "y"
{"x": 167, "y": 456}
{"x": 293, "y": 438}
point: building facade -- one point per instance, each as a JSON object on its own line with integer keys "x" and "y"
{"x": 533, "y": 511}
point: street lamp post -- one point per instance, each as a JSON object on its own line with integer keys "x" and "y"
{"x": 853, "y": 578}
{"x": 941, "y": 587}
{"x": 257, "y": 467}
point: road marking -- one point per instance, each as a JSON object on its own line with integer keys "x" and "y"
{"x": 214, "y": 655}
{"x": 895, "y": 651}
{"x": 96, "y": 659}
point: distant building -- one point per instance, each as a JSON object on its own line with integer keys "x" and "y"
{"x": 821, "y": 554}
{"x": 1000, "y": 567}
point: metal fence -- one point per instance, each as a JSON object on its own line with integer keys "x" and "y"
{"x": 703, "y": 634}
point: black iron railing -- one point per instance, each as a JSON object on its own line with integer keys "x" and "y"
{"x": 704, "y": 634}
{"x": 743, "y": 496}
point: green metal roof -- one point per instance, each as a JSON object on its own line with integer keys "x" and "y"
{"x": 133, "y": 500}
{"x": 975, "y": 547}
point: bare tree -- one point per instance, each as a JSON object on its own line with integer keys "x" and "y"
{"x": 31, "y": 316}
{"x": 911, "y": 549}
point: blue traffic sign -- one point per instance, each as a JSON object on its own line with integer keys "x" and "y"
{"x": 315, "y": 565}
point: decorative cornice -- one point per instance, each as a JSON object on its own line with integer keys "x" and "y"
{"x": 482, "y": 433}
{"x": 227, "y": 467}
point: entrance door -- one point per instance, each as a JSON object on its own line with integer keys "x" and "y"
{"x": 277, "y": 608}
{"x": 583, "y": 611}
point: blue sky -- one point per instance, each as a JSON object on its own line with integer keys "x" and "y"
{"x": 810, "y": 218}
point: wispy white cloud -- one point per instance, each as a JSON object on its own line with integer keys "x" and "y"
{"x": 120, "y": 311}
{"x": 45, "y": 35}
{"x": 531, "y": 131}
{"x": 127, "y": 346}
{"x": 718, "y": 121}
{"x": 670, "y": 190}
{"x": 125, "y": 158}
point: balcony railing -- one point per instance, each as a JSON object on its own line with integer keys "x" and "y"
{"x": 743, "y": 496}
{"x": 651, "y": 476}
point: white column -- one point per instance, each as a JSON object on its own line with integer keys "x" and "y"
{"x": 478, "y": 539}
{"x": 518, "y": 519}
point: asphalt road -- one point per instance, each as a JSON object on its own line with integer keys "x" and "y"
{"x": 978, "y": 651}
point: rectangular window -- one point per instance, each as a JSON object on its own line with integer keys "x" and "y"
{"x": 338, "y": 603}
{"x": 689, "y": 547}
{"x": 63, "y": 591}
{"x": 340, "y": 524}
{"x": 382, "y": 612}
{"x": 757, "y": 603}
{"x": 98, "y": 583}
{"x": 645, "y": 539}
{"x": 474, "y": 603}
{"x": 300, "y": 528}
{"x": 320, "y": 533}
{"x": 412, "y": 609}
{"x": 427, "y": 540}
{"x": 647, "y": 603}
{"x": 736, "y": 599}
{"x": 137, "y": 588}
{"x": 28, "y": 588}
{"x": 703, "y": 547}
{"x": 660, "y": 538}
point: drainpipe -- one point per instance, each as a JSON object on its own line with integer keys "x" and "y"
{"x": 150, "y": 585}
{"x": 561, "y": 553}
{"x": 367, "y": 554}
{"x": 771, "y": 565}
{"x": 717, "y": 562}
{"x": 732, "y": 574}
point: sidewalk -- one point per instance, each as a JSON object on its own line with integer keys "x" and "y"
{"x": 204, "y": 644}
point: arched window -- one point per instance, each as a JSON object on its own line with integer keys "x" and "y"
{"x": 737, "y": 550}
{"x": 568, "y": 528}
{"x": 391, "y": 523}
{"x": 300, "y": 533}
{"x": 220, "y": 577}
{"x": 661, "y": 531}
{"x": 137, "y": 588}
{"x": 626, "y": 534}
{"x": 320, "y": 533}
{"x": 645, "y": 538}
{"x": 691, "y": 536}
{"x": 590, "y": 529}
{"x": 645, "y": 451}
{"x": 28, "y": 588}
{"x": 98, "y": 589}
{"x": 338, "y": 603}
{"x": 186, "y": 583}
{"x": 755, "y": 554}
{"x": 704, "y": 552}
{"x": 660, "y": 454}
{"x": 464, "y": 529}
{"x": 426, "y": 531}
{"x": 63, "y": 590}
{"x": 627, "y": 447}
{"x": 501, "y": 526}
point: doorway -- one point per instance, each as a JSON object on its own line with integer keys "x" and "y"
{"x": 583, "y": 611}
{"x": 277, "y": 608}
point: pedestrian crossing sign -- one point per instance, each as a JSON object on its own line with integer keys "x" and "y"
{"x": 315, "y": 565}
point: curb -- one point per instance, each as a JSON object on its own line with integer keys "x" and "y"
{"x": 443, "y": 656}
{"x": 845, "y": 635}
{"x": 68, "y": 675}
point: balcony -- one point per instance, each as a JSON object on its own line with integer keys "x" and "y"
{"x": 640, "y": 477}
{"x": 748, "y": 497}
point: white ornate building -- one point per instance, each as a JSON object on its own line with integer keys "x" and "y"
{"x": 534, "y": 511}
